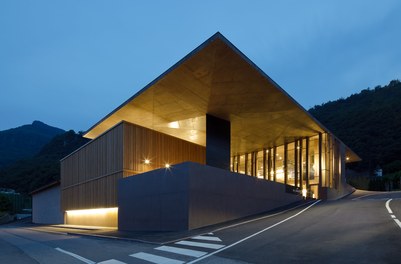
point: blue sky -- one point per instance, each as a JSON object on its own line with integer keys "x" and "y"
{"x": 70, "y": 63}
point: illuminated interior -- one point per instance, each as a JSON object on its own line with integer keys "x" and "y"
{"x": 296, "y": 163}
{"x": 104, "y": 217}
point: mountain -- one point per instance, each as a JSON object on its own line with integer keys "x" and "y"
{"x": 370, "y": 124}
{"x": 24, "y": 141}
{"x": 29, "y": 174}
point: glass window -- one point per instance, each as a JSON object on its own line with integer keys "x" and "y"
{"x": 280, "y": 164}
{"x": 314, "y": 160}
{"x": 291, "y": 164}
{"x": 304, "y": 161}
{"x": 259, "y": 164}
{"x": 249, "y": 164}
{"x": 241, "y": 166}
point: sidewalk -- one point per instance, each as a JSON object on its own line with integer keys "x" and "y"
{"x": 152, "y": 237}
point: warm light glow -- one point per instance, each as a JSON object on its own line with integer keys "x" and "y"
{"x": 280, "y": 175}
{"x": 193, "y": 134}
{"x": 173, "y": 124}
{"x": 105, "y": 217}
{"x": 347, "y": 158}
{"x": 93, "y": 212}
{"x": 313, "y": 195}
{"x": 146, "y": 161}
{"x": 304, "y": 191}
{"x": 167, "y": 165}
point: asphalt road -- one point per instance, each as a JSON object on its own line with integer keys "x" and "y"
{"x": 362, "y": 228}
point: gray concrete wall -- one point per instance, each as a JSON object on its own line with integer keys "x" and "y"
{"x": 155, "y": 200}
{"x": 190, "y": 195}
{"x": 46, "y": 207}
{"x": 218, "y": 195}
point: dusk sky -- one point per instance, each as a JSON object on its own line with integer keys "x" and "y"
{"x": 70, "y": 63}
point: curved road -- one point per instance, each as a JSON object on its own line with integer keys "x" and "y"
{"x": 364, "y": 227}
{"x": 357, "y": 229}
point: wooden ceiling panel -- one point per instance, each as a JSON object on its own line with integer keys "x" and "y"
{"x": 216, "y": 79}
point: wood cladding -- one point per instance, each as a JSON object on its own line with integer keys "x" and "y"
{"x": 89, "y": 176}
{"x": 160, "y": 149}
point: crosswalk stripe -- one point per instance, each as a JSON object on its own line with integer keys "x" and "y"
{"x": 183, "y": 251}
{"x": 198, "y": 244}
{"x": 111, "y": 261}
{"x": 208, "y": 238}
{"x": 156, "y": 259}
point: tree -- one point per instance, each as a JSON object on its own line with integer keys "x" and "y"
{"x": 5, "y": 204}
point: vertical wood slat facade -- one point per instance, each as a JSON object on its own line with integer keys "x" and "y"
{"x": 160, "y": 149}
{"x": 89, "y": 175}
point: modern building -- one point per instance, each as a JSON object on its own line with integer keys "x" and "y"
{"x": 210, "y": 140}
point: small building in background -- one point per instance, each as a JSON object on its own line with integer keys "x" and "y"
{"x": 378, "y": 172}
{"x": 46, "y": 204}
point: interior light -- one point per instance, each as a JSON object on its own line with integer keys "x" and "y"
{"x": 147, "y": 161}
{"x": 93, "y": 212}
{"x": 174, "y": 124}
{"x": 167, "y": 165}
{"x": 347, "y": 158}
{"x": 304, "y": 191}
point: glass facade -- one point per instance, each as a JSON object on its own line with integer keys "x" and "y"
{"x": 305, "y": 163}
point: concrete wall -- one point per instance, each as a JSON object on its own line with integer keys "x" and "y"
{"x": 191, "y": 195}
{"x": 46, "y": 207}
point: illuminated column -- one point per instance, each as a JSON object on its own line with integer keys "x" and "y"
{"x": 274, "y": 163}
{"x": 320, "y": 162}
{"x": 296, "y": 163}
{"x": 307, "y": 162}
{"x": 285, "y": 163}
{"x": 264, "y": 164}
{"x": 218, "y": 140}
{"x": 269, "y": 165}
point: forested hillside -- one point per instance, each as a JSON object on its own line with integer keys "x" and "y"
{"x": 29, "y": 174}
{"x": 24, "y": 141}
{"x": 370, "y": 124}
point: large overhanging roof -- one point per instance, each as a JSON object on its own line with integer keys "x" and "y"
{"x": 216, "y": 79}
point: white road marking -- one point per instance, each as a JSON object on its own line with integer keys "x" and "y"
{"x": 208, "y": 238}
{"x": 255, "y": 234}
{"x": 388, "y": 206}
{"x": 198, "y": 244}
{"x": 391, "y": 213}
{"x": 111, "y": 261}
{"x": 156, "y": 259}
{"x": 257, "y": 219}
{"x": 366, "y": 195}
{"x": 398, "y": 222}
{"x": 76, "y": 256}
{"x": 183, "y": 251}
{"x": 211, "y": 233}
